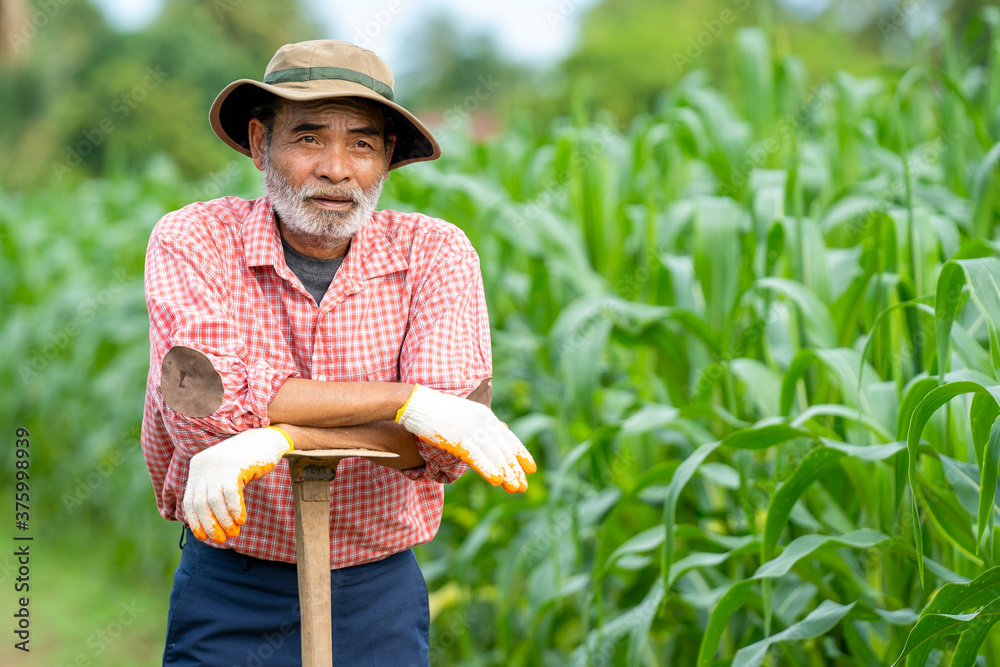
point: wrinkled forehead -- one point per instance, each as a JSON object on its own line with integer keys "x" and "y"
{"x": 355, "y": 109}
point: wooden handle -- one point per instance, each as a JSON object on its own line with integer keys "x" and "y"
{"x": 311, "y": 472}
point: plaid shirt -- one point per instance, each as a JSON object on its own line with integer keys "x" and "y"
{"x": 407, "y": 305}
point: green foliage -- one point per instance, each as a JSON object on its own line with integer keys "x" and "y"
{"x": 91, "y": 100}
{"x": 752, "y": 351}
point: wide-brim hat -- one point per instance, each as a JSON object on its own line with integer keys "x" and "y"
{"x": 318, "y": 70}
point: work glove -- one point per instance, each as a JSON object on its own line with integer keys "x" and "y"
{"x": 470, "y": 431}
{"x": 213, "y": 499}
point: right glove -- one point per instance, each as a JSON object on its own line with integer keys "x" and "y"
{"x": 213, "y": 498}
{"x": 470, "y": 431}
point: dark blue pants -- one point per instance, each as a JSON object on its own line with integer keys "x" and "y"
{"x": 229, "y": 610}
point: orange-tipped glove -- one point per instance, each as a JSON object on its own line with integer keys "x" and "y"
{"x": 213, "y": 499}
{"x": 470, "y": 431}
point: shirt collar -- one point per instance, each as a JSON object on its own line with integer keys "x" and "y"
{"x": 371, "y": 254}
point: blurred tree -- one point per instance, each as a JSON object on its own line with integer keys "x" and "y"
{"x": 86, "y": 99}
{"x": 459, "y": 78}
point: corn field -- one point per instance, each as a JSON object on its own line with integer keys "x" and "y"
{"x": 751, "y": 339}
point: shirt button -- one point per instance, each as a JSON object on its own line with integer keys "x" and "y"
{"x": 321, "y": 378}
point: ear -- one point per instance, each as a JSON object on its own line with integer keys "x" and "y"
{"x": 257, "y": 133}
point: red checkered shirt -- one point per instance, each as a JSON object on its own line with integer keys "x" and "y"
{"x": 407, "y": 305}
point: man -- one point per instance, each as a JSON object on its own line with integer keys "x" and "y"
{"x": 307, "y": 319}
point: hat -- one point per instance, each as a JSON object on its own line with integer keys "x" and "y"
{"x": 318, "y": 70}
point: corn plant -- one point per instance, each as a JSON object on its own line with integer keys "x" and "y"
{"x": 750, "y": 338}
{"x": 753, "y": 339}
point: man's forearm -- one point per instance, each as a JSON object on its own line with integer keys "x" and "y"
{"x": 334, "y": 404}
{"x": 383, "y": 436}
{"x": 300, "y": 403}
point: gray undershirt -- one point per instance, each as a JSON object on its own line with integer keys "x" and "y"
{"x": 315, "y": 274}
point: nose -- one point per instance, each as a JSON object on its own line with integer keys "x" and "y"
{"x": 333, "y": 165}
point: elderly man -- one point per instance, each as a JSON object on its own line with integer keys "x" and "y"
{"x": 306, "y": 319}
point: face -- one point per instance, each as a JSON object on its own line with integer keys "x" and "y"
{"x": 324, "y": 165}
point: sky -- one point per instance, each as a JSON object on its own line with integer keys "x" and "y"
{"x": 525, "y": 30}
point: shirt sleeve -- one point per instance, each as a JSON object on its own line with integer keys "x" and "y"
{"x": 447, "y": 347}
{"x": 189, "y": 305}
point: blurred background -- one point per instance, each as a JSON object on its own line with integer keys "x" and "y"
{"x": 700, "y": 223}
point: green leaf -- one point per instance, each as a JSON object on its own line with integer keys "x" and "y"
{"x": 948, "y": 612}
{"x": 641, "y": 620}
{"x": 921, "y": 414}
{"x": 649, "y": 418}
{"x": 982, "y": 275}
{"x": 988, "y": 485}
{"x": 763, "y": 435}
{"x": 982, "y": 413}
{"x": 869, "y": 452}
{"x": 949, "y": 517}
{"x": 721, "y": 613}
{"x": 711, "y": 559}
{"x": 762, "y": 385}
{"x": 840, "y": 363}
{"x": 809, "y": 470}
{"x": 819, "y": 327}
{"x": 685, "y": 471}
{"x": 817, "y": 623}
{"x": 635, "y": 622}
{"x": 964, "y": 479}
{"x": 844, "y": 412}
{"x": 928, "y": 630}
{"x": 972, "y": 638}
{"x": 801, "y": 547}
{"x": 639, "y": 543}
{"x": 984, "y": 193}
{"x": 916, "y": 392}
{"x": 718, "y": 227}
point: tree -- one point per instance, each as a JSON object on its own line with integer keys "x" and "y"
{"x": 87, "y": 99}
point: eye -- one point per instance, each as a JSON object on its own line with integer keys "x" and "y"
{"x": 308, "y": 139}
{"x": 363, "y": 144}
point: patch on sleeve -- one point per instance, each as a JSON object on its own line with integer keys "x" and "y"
{"x": 189, "y": 383}
{"x": 483, "y": 393}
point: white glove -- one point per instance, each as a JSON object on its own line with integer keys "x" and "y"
{"x": 213, "y": 499}
{"x": 470, "y": 431}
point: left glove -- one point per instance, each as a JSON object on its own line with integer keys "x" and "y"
{"x": 470, "y": 431}
{"x": 213, "y": 499}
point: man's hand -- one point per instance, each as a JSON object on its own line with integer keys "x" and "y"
{"x": 471, "y": 432}
{"x": 213, "y": 499}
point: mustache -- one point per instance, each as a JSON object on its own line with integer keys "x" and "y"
{"x": 354, "y": 194}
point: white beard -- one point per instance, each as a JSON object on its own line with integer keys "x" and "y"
{"x": 304, "y": 218}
